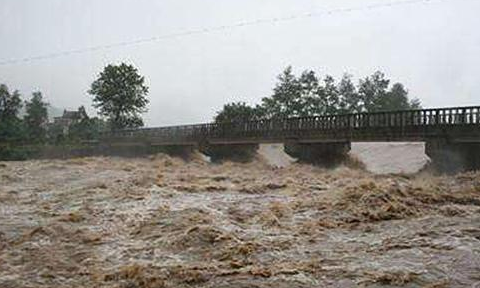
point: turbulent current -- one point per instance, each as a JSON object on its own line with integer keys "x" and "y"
{"x": 166, "y": 222}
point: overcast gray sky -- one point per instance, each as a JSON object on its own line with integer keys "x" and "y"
{"x": 431, "y": 47}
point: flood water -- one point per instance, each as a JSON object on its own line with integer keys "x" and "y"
{"x": 164, "y": 222}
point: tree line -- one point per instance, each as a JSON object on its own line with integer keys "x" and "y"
{"x": 30, "y": 128}
{"x": 33, "y": 127}
{"x": 310, "y": 95}
{"x": 119, "y": 94}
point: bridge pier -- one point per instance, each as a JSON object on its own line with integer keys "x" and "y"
{"x": 233, "y": 152}
{"x": 453, "y": 157}
{"x": 326, "y": 154}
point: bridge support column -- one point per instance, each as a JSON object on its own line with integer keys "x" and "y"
{"x": 233, "y": 152}
{"x": 453, "y": 157}
{"x": 324, "y": 154}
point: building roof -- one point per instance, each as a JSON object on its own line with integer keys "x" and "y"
{"x": 71, "y": 114}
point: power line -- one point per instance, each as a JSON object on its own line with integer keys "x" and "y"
{"x": 207, "y": 30}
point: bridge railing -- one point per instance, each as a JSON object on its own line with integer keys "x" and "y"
{"x": 394, "y": 120}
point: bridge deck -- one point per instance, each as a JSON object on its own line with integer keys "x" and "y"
{"x": 457, "y": 124}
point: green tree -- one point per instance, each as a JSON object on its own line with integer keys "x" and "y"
{"x": 36, "y": 118}
{"x": 372, "y": 91}
{"x": 10, "y": 103}
{"x": 329, "y": 93}
{"x": 11, "y": 128}
{"x": 120, "y": 94}
{"x": 397, "y": 98}
{"x": 237, "y": 112}
{"x": 302, "y": 96}
{"x": 87, "y": 129}
{"x": 311, "y": 102}
{"x": 415, "y": 103}
{"x": 308, "y": 96}
{"x": 349, "y": 98}
{"x": 296, "y": 96}
{"x": 286, "y": 99}
{"x": 376, "y": 95}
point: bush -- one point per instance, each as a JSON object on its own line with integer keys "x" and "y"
{"x": 20, "y": 153}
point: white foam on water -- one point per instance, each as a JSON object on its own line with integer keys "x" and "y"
{"x": 378, "y": 157}
{"x": 274, "y": 155}
{"x": 391, "y": 157}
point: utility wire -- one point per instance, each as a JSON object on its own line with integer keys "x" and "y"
{"x": 207, "y": 30}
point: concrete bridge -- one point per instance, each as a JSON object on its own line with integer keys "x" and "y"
{"x": 452, "y": 135}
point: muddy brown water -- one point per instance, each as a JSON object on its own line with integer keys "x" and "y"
{"x": 162, "y": 222}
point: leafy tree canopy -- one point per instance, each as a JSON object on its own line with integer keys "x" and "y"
{"x": 120, "y": 95}
{"x": 308, "y": 95}
{"x": 87, "y": 129}
{"x": 236, "y": 112}
{"x": 286, "y": 99}
{"x": 10, "y": 103}
{"x": 36, "y": 117}
{"x": 11, "y": 127}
